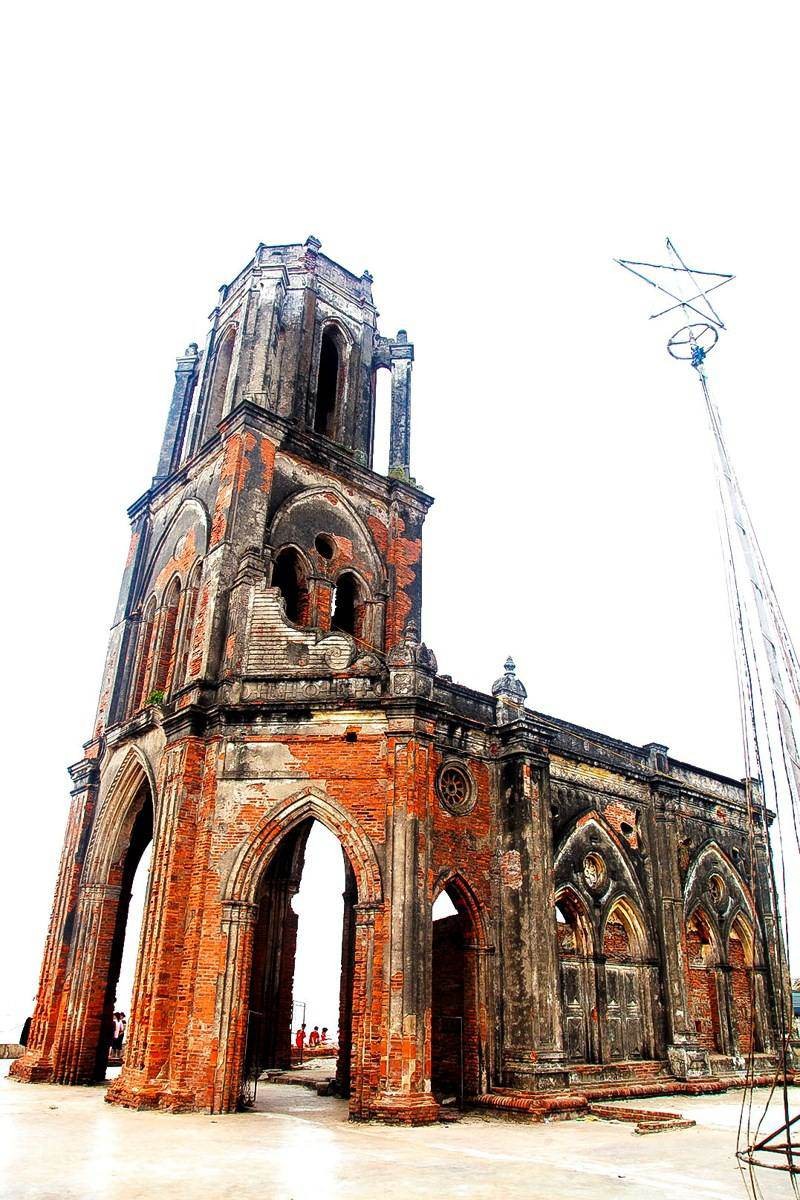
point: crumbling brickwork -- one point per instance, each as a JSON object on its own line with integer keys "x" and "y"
{"x": 265, "y": 670}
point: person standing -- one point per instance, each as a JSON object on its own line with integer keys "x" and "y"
{"x": 300, "y": 1038}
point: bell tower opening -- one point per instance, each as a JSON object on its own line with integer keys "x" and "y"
{"x": 290, "y": 577}
{"x": 347, "y": 605}
{"x": 327, "y": 385}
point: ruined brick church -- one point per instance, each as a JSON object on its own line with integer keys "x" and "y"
{"x": 613, "y": 919}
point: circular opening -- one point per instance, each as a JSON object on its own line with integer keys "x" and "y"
{"x": 627, "y": 829}
{"x": 716, "y": 889}
{"x": 594, "y": 871}
{"x": 455, "y": 788}
{"x": 324, "y": 546}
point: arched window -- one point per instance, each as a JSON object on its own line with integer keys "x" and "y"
{"x": 348, "y": 605}
{"x": 289, "y": 575}
{"x": 219, "y": 382}
{"x": 187, "y": 626}
{"x": 166, "y": 646}
{"x": 330, "y": 365}
{"x": 577, "y": 977}
{"x": 145, "y": 651}
{"x": 703, "y": 979}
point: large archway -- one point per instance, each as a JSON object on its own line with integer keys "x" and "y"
{"x": 280, "y": 1000}
{"x": 122, "y": 833}
{"x": 459, "y": 1028}
{"x": 255, "y": 1016}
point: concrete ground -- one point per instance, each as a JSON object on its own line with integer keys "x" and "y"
{"x": 60, "y": 1143}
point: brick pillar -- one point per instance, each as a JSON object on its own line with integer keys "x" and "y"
{"x": 368, "y": 1008}
{"x": 238, "y": 921}
{"x": 155, "y": 1054}
{"x": 37, "y": 1062}
{"x": 75, "y": 1056}
{"x": 404, "y": 1093}
{"x": 533, "y": 1057}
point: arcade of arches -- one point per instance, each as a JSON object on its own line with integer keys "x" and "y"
{"x": 610, "y": 907}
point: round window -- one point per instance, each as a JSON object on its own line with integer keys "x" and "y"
{"x": 595, "y": 872}
{"x": 455, "y": 788}
{"x": 324, "y": 546}
{"x": 717, "y": 891}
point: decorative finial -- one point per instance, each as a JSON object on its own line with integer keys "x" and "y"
{"x": 508, "y": 687}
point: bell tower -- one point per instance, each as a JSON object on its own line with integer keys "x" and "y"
{"x": 267, "y": 629}
{"x": 295, "y": 334}
{"x": 287, "y": 556}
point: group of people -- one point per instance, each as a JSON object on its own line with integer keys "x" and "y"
{"x": 118, "y": 1032}
{"x": 317, "y": 1037}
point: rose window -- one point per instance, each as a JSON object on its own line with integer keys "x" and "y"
{"x": 455, "y": 788}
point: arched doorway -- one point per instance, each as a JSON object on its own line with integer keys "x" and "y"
{"x": 256, "y": 894}
{"x": 276, "y": 1007}
{"x": 135, "y": 838}
{"x": 459, "y": 1025}
{"x": 703, "y": 955}
{"x": 626, "y": 985}
{"x": 577, "y": 971}
{"x": 100, "y": 929}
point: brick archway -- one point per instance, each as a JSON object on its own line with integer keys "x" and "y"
{"x": 240, "y": 911}
{"x": 123, "y": 829}
{"x": 461, "y": 1024}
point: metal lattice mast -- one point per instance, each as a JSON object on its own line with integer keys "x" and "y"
{"x": 768, "y": 671}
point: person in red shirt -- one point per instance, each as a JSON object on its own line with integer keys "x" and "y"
{"x": 300, "y": 1037}
{"x": 313, "y": 1037}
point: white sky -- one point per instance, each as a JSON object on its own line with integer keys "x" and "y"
{"x": 486, "y": 164}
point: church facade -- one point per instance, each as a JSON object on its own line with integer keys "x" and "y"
{"x": 613, "y": 916}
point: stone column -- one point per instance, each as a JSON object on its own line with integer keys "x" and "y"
{"x": 401, "y": 354}
{"x": 686, "y": 1056}
{"x": 175, "y": 432}
{"x": 533, "y": 1057}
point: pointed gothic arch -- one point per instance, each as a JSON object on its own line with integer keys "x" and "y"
{"x": 220, "y": 375}
{"x": 460, "y": 992}
{"x": 123, "y": 828}
{"x": 241, "y": 891}
{"x": 255, "y": 853}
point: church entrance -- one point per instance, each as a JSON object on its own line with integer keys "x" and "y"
{"x": 303, "y": 961}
